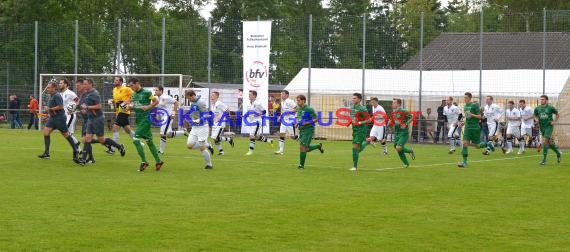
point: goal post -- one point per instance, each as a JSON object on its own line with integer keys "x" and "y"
{"x": 174, "y": 83}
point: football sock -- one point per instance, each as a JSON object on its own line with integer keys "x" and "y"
{"x": 175, "y": 133}
{"x": 406, "y": 150}
{"x": 207, "y": 157}
{"x": 281, "y": 144}
{"x": 140, "y": 150}
{"x": 110, "y": 142}
{"x": 90, "y": 154}
{"x": 47, "y": 141}
{"x": 545, "y": 150}
{"x": 251, "y": 144}
{"x": 355, "y": 157}
{"x": 363, "y": 145}
{"x": 71, "y": 143}
{"x": 96, "y": 141}
{"x": 153, "y": 150}
{"x": 116, "y": 136}
{"x": 302, "y": 157}
{"x": 403, "y": 157}
{"x": 219, "y": 145}
{"x": 87, "y": 149}
{"x": 555, "y": 149}
{"x": 313, "y": 147}
{"x": 162, "y": 143}
{"x": 75, "y": 141}
{"x": 465, "y": 154}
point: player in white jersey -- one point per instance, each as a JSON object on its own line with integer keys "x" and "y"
{"x": 378, "y": 131}
{"x": 513, "y": 126}
{"x": 452, "y": 113}
{"x": 287, "y": 117}
{"x": 527, "y": 122}
{"x": 70, "y": 100}
{"x": 493, "y": 114}
{"x": 167, "y": 106}
{"x": 198, "y": 136}
{"x": 254, "y": 122}
{"x": 220, "y": 109}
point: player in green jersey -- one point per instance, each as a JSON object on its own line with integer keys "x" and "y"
{"x": 401, "y": 120}
{"x": 472, "y": 130}
{"x": 143, "y": 101}
{"x": 306, "y": 119}
{"x": 360, "y": 120}
{"x": 543, "y": 114}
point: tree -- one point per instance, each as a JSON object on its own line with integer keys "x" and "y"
{"x": 524, "y": 15}
{"x": 460, "y": 18}
{"x": 384, "y": 45}
{"x": 407, "y": 18}
{"x": 346, "y": 22}
{"x": 290, "y": 38}
{"x": 187, "y": 39}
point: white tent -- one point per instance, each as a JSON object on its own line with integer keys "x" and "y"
{"x": 406, "y": 83}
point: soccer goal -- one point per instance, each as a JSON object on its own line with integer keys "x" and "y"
{"x": 104, "y": 83}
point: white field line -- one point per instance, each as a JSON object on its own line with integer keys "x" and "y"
{"x": 455, "y": 163}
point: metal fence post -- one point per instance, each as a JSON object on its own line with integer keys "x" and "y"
{"x": 209, "y": 51}
{"x": 363, "y": 57}
{"x": 119, "y": 60}
{"x": 310, "y": 58}
{"x": 75, "y": 56}
{"x": 481, "y": 58}
{"x": 163, "y": 49}
{"x": 544, "y": 51}
{"x": 421, "y": 72}
{"x": 7, "y": 84}
{"x": 36, "y": 26}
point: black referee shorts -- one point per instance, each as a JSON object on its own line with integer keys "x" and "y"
{"x": 122, "y": 120}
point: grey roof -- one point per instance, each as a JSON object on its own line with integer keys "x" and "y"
{"x": 521, "y": 50}
{"x": 232, "y": 86}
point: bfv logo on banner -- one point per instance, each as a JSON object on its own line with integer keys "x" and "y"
{"x": 256, "y": 74}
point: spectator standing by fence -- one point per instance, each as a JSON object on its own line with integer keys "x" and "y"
{"x": 440, "y": 122}
{"x": 33, "y": 107}
{"x": 14, "y": 113}
{"x": 430, "y": 124}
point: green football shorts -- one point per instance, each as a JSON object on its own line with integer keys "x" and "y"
{"x": 473, "y": 135}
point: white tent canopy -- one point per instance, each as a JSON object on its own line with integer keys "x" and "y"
{"x": 514, "y": 83}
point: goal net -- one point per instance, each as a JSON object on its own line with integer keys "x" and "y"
{"x": 104, "y": 83}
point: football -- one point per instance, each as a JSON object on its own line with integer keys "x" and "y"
{"x": 72, "y": 107}
{"x": 126, "y": 106}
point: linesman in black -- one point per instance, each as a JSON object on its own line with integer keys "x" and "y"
{"x": 56, "y": 120}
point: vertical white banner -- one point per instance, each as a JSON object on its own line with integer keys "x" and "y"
{"x": 256, "y": 49}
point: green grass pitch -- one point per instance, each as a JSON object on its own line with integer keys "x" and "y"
{"x": 262, "y": 202}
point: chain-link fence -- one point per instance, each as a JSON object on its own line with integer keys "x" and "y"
{"x": 422, "y": 58}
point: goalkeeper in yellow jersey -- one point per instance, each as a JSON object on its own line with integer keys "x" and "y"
{"x": 121, "y": 96}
